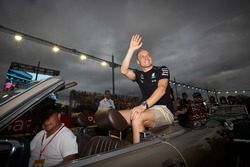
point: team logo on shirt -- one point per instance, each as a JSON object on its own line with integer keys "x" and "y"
{"x": 164, "y": 71}
{"x": 153, "y": 76}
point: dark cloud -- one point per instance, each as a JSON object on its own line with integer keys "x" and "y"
{"x": 204, "y": 43}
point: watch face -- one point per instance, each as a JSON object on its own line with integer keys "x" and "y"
{"x": 145, "y": 105}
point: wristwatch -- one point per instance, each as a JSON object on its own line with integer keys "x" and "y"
{"x": 145, "y": 104}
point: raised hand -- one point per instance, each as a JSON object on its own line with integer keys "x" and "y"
{"x": 136, "y": 42}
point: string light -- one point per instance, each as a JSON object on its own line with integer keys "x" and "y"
{"x": 232, "y": 91}
{"x": 18, "y": 38}
{"x": 104, "y": 63}
{"x": 83, "y": 57}
{"x": 206, "y": 90}
{"x": 55, "y": 49}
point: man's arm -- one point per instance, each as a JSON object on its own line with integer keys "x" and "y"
{"x": 113, "y": 104}
{"x": 68, "y": 145}
{"x": 69, "y": 158}
{"x": 135, "y": 44}
{"x": 158, "y": 93}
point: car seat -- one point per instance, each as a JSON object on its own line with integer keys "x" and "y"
{"x": 110, "y": 120}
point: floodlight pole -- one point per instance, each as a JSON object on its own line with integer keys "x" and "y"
{"x": 176, "y": 88}
{"x": 113, "y": 75}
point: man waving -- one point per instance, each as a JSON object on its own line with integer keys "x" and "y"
{"x": 154, "y": 85}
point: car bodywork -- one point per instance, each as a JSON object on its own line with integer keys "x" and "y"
{"x": 168, "y": 146}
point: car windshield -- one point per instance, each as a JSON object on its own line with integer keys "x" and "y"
{"x": 5, "y": 96}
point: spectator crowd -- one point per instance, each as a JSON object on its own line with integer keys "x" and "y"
{"x": 92, "y": 99}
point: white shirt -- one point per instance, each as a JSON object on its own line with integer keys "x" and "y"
{"x": 63, "y": 144}
{"x": 106, "y": 103}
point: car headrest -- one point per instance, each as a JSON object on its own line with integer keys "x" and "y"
{"x": 110, "y": 119}
{"x": 79, "y": 120}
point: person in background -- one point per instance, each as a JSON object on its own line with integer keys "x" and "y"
{"x": 199, "y": 109}
{"x": 154, "y": 85}
{"x": 106, "y": 102}
{"x": 182, "y": 110}
{"x": 8, "y": 86}
{"x": 55, "y": 143}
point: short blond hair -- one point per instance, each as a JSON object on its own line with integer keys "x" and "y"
{"x": 140, "y": 50}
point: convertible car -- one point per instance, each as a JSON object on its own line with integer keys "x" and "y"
{"x": 223, "y": 140}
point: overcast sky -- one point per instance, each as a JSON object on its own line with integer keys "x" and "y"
{"x": 205, "y": 43}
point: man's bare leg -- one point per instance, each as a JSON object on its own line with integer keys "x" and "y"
{"x": 147, "y": 118}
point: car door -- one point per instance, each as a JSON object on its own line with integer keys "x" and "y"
{"x": 146, "y": 154}
{"x": 14, "y": 150}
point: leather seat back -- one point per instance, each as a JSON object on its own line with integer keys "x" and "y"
{"x": 106, "y": 120}
{"x": 110, "y": 120}
{"x": 99, "y": 144}
{"x": 79, "y": 120}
